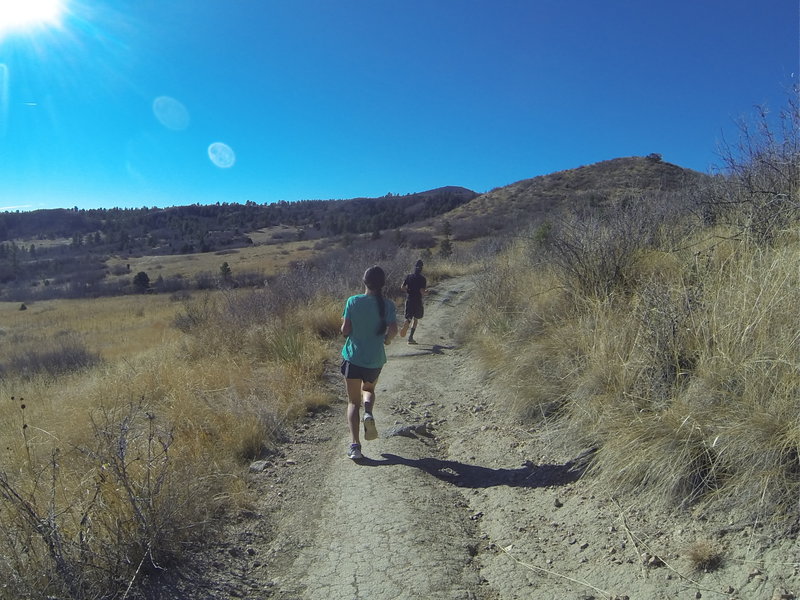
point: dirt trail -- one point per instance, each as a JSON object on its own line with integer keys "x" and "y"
{"x": 456, "y": 501}
{"x": 383, "y": 527}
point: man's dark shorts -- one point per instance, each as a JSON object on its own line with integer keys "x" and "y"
{"x": 351, "y": 371}
{"x": 414, "y": 308}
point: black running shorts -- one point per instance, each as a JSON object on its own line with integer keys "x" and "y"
{"x": 351, "y": 371}
{"x": 414, "y": 308}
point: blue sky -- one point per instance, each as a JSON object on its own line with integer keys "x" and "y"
{"x": 171, "y": 102}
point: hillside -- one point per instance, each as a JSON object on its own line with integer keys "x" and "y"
{"x": 584, "y": 188}
{"x": 78, "y": 253}
{"x": 194, "y": 227}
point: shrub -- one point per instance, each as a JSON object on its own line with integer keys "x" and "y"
{"x": 595, "y": 254}
{"x": 759, "y": 191}
{"x": 116, "y": 510}
{"x": 141, "y": 282}
{"x": 63, "y": 355}
{"x": 195, "y": 315}
{"x": 704, "y": 555}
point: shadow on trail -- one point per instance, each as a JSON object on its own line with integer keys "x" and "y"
{"x": 474, "y": 476}
{"x": 423, "y": 350}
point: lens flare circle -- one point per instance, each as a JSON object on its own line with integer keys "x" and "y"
{"x": 22, "y": 14}
{"x": 171, "y": 113}
{"x": 221, "y": 155}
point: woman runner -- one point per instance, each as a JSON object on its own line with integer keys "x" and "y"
{"x": 369, "y": 322}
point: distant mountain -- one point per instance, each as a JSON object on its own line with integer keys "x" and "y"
{"x": 585, "y": 188}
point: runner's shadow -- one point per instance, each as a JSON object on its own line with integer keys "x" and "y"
{"x": 437, "y": 349}
{"x": 474, "y": 476}
{"x": 422, "y": 350}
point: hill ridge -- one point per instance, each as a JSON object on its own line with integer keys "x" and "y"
{"x": 595, "y": 185}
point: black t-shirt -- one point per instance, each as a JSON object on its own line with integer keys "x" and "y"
{"x": 415, "y": 283}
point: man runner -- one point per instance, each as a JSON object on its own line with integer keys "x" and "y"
{"x": 415, "y": 285}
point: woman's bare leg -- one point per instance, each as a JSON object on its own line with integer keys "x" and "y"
{"x": 368, "y": 395}
{"x": 354, "y": 408}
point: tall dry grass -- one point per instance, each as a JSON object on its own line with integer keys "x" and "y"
{"x": 110, "y": 470}
{"x": 109, "y": 473}
{"x": 676, "y": 357}
{"x": 112, "y": 328}
{"x": 688, "y": 385}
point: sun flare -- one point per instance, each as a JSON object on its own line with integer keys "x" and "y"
{"x": 24, "y": 14}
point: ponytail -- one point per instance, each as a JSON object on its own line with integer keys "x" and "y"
{"x": 375, "y": 279}
{"x": 382, "y": 312}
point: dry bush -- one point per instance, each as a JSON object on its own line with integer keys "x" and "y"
{"x": 157, "y": 468}
{"x": 660, "y": 456}
{"x": 322, "y": 317}
{"x": 747, "y": 372}
{"x": 759, "y": 191}
{"x": 496, "y": 286}
{"x": 687, "y": 385}
{"x": 131, "y": 464}
{"x": 119, "y": 497}
{"x": 596, "y": 254}
{"x": 521, "y": 308}
{"x": 704, "y": 555}
{"x": 439, "y": 269}
{"x": 65, "y": 354}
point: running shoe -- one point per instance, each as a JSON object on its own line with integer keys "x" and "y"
{"x": 412, "y": 341}
{"x": 355, "y": 452}
{"x": 404, "y": 329}
{"x": 370, "y": 431}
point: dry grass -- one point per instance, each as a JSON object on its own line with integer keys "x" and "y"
{"x": 264, "y": 258}
{"x": 438, "y": 269}
{"x": 704, "y": 555}
{"x": 130, "y": 460}
{"x": 112, "y": 327}
{"x": 688, "y": 384}
{"x": 668, "y": 343}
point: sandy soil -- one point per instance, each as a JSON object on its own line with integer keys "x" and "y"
{"x": 456, "y": 500}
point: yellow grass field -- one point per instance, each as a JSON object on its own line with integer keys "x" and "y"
{"x": 268, "y": 258}
{"x": 114, "y": 327}
{"x": 120, "y": 327}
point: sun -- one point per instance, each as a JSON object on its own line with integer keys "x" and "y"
{"x": 24, "y": 14}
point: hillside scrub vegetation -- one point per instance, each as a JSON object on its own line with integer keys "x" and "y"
{"x": 584, "y": 190}
{"x": 661, "y": 336}
{"x": 110, "y": 472}
{"x": 117, "y": 464}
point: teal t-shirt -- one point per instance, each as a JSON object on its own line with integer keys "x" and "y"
{"x": 364, "y": 346}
